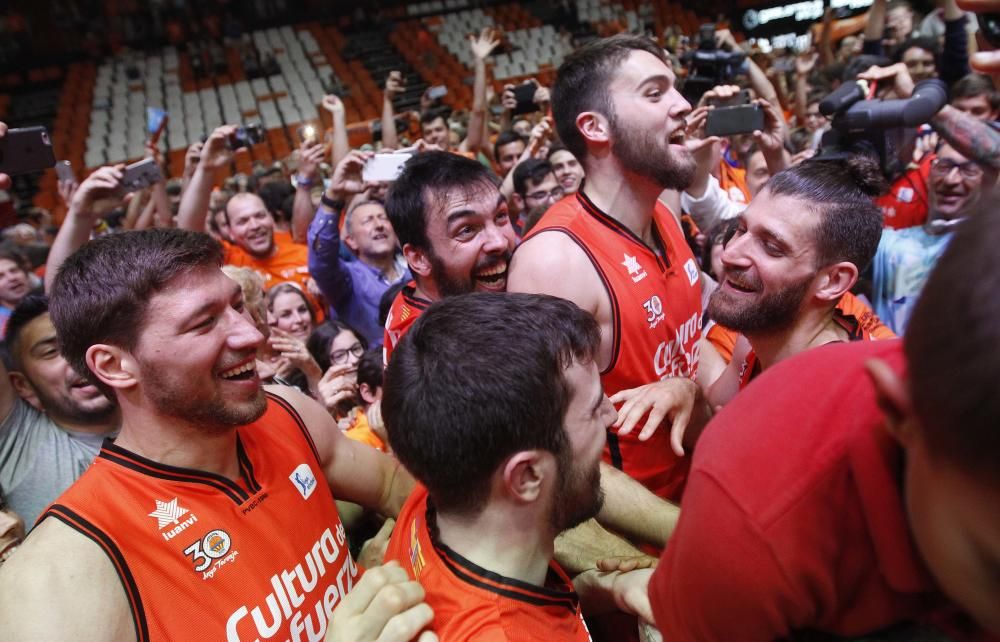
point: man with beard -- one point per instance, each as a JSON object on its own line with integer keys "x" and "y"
{"x": 795, "y": 254}
{"x": 54, "y": 419}
{"x": 182, "y": 524}
{"x": 905, "y": 257}
{"x": 455, "y": 230}
{"x": 506, "y": 463}
{"x": 617, "y": 252}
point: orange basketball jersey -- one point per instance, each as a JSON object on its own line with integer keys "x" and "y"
{"x": 471, "y": 603}
{"x": 852, "y": 315}
{"x": 405, "y": 309}
{"x": 656, "y": 318}
{"x": 202, "y": 557}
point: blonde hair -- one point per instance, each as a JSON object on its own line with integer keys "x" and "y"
{"x": 253, "y": 293}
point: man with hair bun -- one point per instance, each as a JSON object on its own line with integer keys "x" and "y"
{"x": 791, "y": 262}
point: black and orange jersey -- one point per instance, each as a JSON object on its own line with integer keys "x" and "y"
{"x": 405, "y": 309}
{"x": 472, "y": 603}
{"x": 655, "y": 304}
{"x": 852, "y": 315}
{"x": 205, "y": 557}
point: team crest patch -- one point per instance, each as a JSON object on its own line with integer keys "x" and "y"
{"x": 303, "y": 480}
{"x": 692, "y": 271}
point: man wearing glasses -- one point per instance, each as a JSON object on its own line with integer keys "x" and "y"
{"x": 535, "y": 190}
{"x": 905, "y": 257}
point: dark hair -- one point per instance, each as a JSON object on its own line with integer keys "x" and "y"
{"x": 582, "y": 83}
{"x": 952, "y": 366}
{"x": 386, "y": 300}
{"x": 842, "y": 192}
{"x": 30, "y": 308}
{"x": 920, "y": 42}
{"x": 370, "y": 370}
{"x": 535, "y": 169}
{"x": 974, "y": 85}
{"x": 424, "y": 176}
{"x": 103, "y": 290}
{"x": 15, "y": 257}
{"x": 506, "y": 137}
{"x": 318, "y": 343}
{"x": 458, "y": 400}
{"x": 274, "y": 195}
{"x": 433, "y": 114}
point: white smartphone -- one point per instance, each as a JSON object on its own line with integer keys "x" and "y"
{"x": 384, "y": 166}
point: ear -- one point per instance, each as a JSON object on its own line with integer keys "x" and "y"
{"x": 367, "y": 394}
{"x": 892, "y": 393}
{"x": 351, "y": 243}
{"x": 518, "y": 201}
{"x": 417, "y": 259}
{"x": 114, "y": 366}
{"x": 593, "y": 127}
{"x": 524, "y": 475}
{"x": 25, "y": 390}
{"x": 834, "y": 281}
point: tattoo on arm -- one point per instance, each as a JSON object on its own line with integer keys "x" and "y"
{"x": 972, "y": 138}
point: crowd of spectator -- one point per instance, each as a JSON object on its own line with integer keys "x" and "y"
{"x": 575, "y": 332}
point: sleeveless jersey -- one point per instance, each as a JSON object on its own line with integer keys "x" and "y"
{"x": 202, "y": 557}
{"x": 471, "y": 603}
{"x": 852, "y": 315}
{"x": 405, "y": 309}
{"x": 655, "y": 305}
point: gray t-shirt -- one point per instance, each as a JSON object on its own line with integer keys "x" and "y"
{"x": 39, "y": 460}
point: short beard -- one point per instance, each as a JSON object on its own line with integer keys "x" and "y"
{"x": 578, "y": 496}
{"x": 213, "y": 416}
{"x": 769, "y": 313}
{"x": 643, "y": 154}
{"x": 446, "y": 284}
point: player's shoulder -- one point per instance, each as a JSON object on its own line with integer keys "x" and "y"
{"x": 62, "y": 584}
{"x": 552, "y": 262}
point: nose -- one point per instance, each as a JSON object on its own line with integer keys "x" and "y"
{"x": 734, "y": 252}
{"x": 243, "y": 335}
{"x": 496, "y": 240}
{"x": 680, "y": 106}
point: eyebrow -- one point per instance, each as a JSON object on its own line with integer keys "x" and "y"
{"x": 46, "y": 342}
{"x": 658, "y": 79}
{"x": 458, "y": 214}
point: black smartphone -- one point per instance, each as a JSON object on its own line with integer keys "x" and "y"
{"x": 247, "y": 135}
{"x": 64, "y": 170}
{"x": 737, "y": 99}
{"x": 726, "y": 121}
{"x": 141, "y": 174}
{"x": 525, "y": 95}
{"x": 26, "y": 150}
{"x": 989, "y": 27}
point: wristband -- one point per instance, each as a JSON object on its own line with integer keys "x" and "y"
{"x": 330, "y": 204}
{"x": 301, "y": 181}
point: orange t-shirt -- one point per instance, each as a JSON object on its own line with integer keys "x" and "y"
{"x": 201, "y": 556}
{"x": 734, "y": 181}
{"x": 472, "y": 603}
{"x": 361, "y": 431}
{"x": 655, "y": 304}
{"x": 405, "y": 309}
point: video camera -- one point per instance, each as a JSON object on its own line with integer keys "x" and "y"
{"x": 877, "y": 127}
{"x": 708, "y": 65}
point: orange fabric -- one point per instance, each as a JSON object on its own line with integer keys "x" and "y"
{"x": 201, "y": 556}
{"x": 405, "y": 309}
{"x": 472, "y": 603}
{"x": 361, "y": 431}
{"x": 722, "y": 339}
{"x": 289, "y": 263}
{"x": 656, "y": 313}
{"x": 734, "y": 181}
{"x": 907, "y": 202}
{"x": 852, "y": 315}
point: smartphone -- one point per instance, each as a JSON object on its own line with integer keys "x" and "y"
{"x": 26, "y": 150}
{"x": 247, "y": 135}
{"x": 308, "y": 134}
{"x": 725, "y": 121}
{"x": 384, "y": 167}
{"x": 141, "y": 174}
{"x": 156, "y": 122}
{"x": 741, "y": 98}
{"x": 64, "y": 170}
{"x": 525, "y": 95}
{"x": 437, "y": 92}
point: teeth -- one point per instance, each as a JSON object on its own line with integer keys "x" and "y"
{"x": 7, "y": 553}
{"x": 499, "y": 269}
{"x": 247, "y": 367}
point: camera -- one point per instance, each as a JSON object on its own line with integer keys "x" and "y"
{"x": 709, "y": 66}
{"x": 246, "y": 135}
{"x": 877, "y": 127}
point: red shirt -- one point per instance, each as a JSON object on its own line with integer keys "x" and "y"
{"x": 907, "y": 201}
{"x": 793, "y": 516}
{"x": 655, "y": 306}
{"x": 405, "y": 309}
{"x": 204, "y": 557}
{"x": 472, "y": 603}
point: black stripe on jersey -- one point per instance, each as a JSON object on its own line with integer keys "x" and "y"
{"x": 281, "y": 401}
{"x": 408, "y": 294}
{"x": 246, "y": 466}
{"x": 84, "y": 527}
{"x": 149, "y": 467}
{"x": 616, "y": 226}
{"x": 615, "y": 450}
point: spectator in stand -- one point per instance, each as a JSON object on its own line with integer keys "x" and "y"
{"x": 959, "y": 188}
{"x": 337, "y": 347}
{"x": 354, "y": 288}
{"x": 919, "y": 54}
{"x": 566, "y": 168}
{"x": 15, "y": 284}
{"x": 54, "y": 420}
{"x": 275, "y": 255}
{"x": 975, "y": 95}
{"x": 853, "y": 489}
{"x": 535, "y": 190}
{"x": 507, "y": 150}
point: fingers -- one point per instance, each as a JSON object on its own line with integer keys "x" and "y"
{"x": 366, "y": 590}
{"x": 656, "y": 415}
{"x": 677, "y": 428}
{"x": 406, "y": 625}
